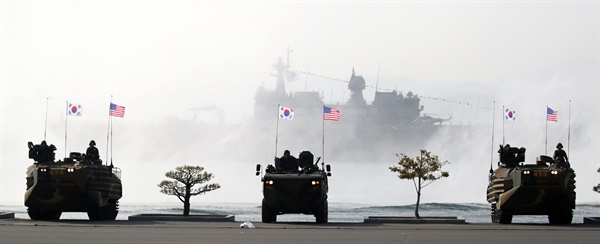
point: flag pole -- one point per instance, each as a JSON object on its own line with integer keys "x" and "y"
{"x": 277, "y": 129}
{"x": 66, "y": 118}
{"x": 569, "y": 135}
{"x": 108, "y": 129}
{"x": 323, "y": 149}
{"x": 492, "y": 154}
{"x": 546, "y": 147}
{"x": 503, "y": 119}
{"x": 46, "y": 122}
{"x": 111, "y": 141}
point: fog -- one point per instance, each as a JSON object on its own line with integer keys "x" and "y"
{"x": 161, "y": 60}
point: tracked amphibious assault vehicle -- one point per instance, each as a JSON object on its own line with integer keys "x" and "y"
{"x": 288, "y": 189}
{"x": 543, "y": 188}
{"x": 70, "y": 185}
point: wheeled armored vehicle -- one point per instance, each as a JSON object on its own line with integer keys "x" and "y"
{"x": 73, "y": 184}
{"x": 297, "y": 189}
{"x": 544, "y": 188}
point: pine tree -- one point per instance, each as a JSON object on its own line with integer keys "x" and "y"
{"x": 185, "y": 178}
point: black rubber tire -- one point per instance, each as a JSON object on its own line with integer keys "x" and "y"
{"x": 108, "y": 212}
{"x": 322, "y": 213}
{"x": 94, "y": 214}
{"x": 112, "y": 210}
{"x": 564, "y": 217}
{"x": 36, "y": 214}
{"x": 268, "y": 216}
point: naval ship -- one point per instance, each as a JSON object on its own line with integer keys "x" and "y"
{"x": 392, "y": 121}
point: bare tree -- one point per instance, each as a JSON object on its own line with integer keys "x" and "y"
{"x": 423, "y": 170}
{"x": 185, "y": 177}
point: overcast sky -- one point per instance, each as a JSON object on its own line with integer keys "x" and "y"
{"x": 161, "y": 58}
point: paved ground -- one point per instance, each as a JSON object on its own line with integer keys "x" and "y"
{"x": 83, "y": 231}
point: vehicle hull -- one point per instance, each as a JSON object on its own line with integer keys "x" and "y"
{"x": 57, "y": 188}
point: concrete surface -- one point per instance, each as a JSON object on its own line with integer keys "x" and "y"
{"x": 89, "y": 232}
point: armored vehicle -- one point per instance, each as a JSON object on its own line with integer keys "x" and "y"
{"x": 295, "y": 186}
{"x": 73, "y": 184}
{"x": 544, "y": 188}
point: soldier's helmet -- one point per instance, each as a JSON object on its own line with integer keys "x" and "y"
{"x": 92, "y": 143}
{"x": 559, "y": 145}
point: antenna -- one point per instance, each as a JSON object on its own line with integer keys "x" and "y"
{"x": 492, "y": 156}
{"x": 569, "y": 135}
{"x": 46, "y": 123}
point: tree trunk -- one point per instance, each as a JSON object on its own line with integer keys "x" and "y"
{"x": 186, "y": 207}
{"x": 186, "y": 203}
{"x": 417, "y": 207}
{"x": 418, "y": 199}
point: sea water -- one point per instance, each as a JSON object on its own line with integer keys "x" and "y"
{"x": 338, "y": 212}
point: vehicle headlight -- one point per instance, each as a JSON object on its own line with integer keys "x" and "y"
{"x": 70, "y": 170}
{"x": 554, "y": 172}
{"x": 315, "y": 182}
{"x": 526, "y": 172}
{"x": 269, "y": 182}
{"x": 43, "y": 170}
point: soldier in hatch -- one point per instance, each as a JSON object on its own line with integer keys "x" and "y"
{"x": 92, "y": 154}
{"x": 560, "y": 156}
{"x": 288, "y": 162}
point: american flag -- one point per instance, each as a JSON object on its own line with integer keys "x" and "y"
{"x": 116, "y": 110}
{"x": 331, "y": 114}
{"x": 551, "y": 114}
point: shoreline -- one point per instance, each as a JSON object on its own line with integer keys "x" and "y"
{"x": 338, "y": 212}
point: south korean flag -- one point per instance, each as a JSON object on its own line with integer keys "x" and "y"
{"x": 73, "y": 109}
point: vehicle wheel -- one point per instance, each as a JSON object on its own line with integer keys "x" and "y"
{"x": 108, "y": 212}
{"x": 564, "y": 217}
{"x": 36, "y": 214}
{"x": 268, "y": 216}
{"x": 111, "y": 210}
{"x": 322, "y": 212}
{"x": 53, "y": 215}
{"x": 94, "y": 214}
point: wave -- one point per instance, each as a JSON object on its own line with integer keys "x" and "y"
{"x": 589, "y": 205}
{"x": 432, "y": 207}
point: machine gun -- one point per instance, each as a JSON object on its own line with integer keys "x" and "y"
{"x": 511, "y": 156}
{"x": 41, "y": 153}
